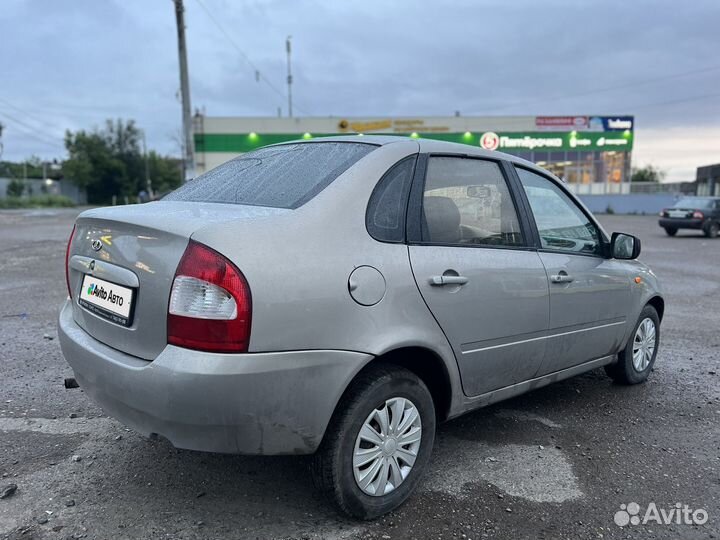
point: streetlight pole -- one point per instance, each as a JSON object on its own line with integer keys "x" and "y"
{"x": 148, "y": 183}
{"x": 289, "y": 75}
{"x": 188, "y": 157}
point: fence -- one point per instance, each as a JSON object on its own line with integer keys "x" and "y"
{"x": 37, "y": 186}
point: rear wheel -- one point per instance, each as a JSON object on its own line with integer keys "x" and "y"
{"x": 637, "y": 359}
{"x": 712, "y": 230}
{"x": 378, "y": 443}
{"x": 671, "y": 231}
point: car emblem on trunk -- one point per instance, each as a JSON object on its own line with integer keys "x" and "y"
{"x": 96, "y": 245}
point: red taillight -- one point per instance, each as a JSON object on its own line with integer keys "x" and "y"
{"x": 67, "y": 262}
{"x": 698, "y": 215}
{"x": 210, "y": 307}
{"x": 663, "y": 213}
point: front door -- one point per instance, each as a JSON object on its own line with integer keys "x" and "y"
{"x": 486, "y": 289}
{"x": 589, "y": 293}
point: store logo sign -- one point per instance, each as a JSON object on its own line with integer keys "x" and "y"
{"x": 579, "y": 141}
{"x": 538, "y": 141}
{"x": 490, "y": 140}
{"x": 530, "y": 142}
{"x": 607, "y": 141}
{"x": 619, "y": 123}
{"x": 561, "y": 123}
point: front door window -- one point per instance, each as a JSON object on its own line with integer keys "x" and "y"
{"x": 561, "y": 224}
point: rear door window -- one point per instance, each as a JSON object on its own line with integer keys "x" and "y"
{"x": 284, "y": 176}
{"x": 467, "y": 201}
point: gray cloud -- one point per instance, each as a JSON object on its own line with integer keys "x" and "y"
{"x": 71, "y": 64}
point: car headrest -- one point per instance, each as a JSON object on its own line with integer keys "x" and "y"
{"x": 443, "y": 219}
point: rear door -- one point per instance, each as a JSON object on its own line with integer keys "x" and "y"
{"x": 486, "y": 288}
{"x": 589, "y": 294}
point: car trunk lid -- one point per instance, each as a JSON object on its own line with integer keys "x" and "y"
{"x": 131, "y": 253}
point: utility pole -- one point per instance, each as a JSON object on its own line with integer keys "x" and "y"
{"x": 148, "y": 183}
{"x": 289, "y": 76}
{"x": 188, "y": 157}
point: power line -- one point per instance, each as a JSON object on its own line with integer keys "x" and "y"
{"x": 612, "y": 88}
{"x": 75, "y": 111}
{"x": 55, "y": 145}
{"x": 33, "y": 132}
{"x": 49, "y": 105}
{"x": 28, "y": 127}
{"x": 21, "y": 111}
{"x": 675, "y": 101}
{"x": 30, "y": 116}
{"x": 258, "y": 74}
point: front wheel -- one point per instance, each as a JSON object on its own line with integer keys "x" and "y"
{"x": 636, "y": 360}
{"x": 378, "y": 442}
{"x": 671, "y": 231}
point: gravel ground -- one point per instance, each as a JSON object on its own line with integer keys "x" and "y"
{"x": 555, "y": 463}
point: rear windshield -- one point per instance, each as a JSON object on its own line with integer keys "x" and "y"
{"x": 694, "y": 202}
{"x": 285, "y": 176}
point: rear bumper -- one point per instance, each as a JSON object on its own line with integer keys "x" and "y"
{"x": 259, "y": 403}
{"x": 681, "y": 223}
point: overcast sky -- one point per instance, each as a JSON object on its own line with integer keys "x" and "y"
{"x": 69, "y": 64}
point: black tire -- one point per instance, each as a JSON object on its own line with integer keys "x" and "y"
{"x": 332, "y": 465}
{"x": 671, "y": 231}
{"x": 712, "y": 229}
{"x": 624, "y": 371}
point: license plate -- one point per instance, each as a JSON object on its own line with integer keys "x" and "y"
{"x": 677, "y": 213}
{"x": 108, "y": 300}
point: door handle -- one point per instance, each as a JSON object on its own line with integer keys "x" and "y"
{"x": 448, "y": 280}
{"x": 561, "y": 277}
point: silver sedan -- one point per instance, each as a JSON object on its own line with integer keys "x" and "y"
{"x": 340, "y": 297}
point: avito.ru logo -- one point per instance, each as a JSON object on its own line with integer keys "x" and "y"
{"x": 94, "y": 290}
{"x": 100, "y": 292}
{"x": 630, "y": 514}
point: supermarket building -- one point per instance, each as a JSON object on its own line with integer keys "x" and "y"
{"x": 581, "y": 149}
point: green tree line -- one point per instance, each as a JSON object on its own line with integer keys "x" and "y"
{"x": 30, "y": 168}
{"x": 107, "y": 161}
{"x": 647, "y": 174}
{"x": 110, "y": 161}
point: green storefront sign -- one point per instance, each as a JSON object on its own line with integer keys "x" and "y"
{"x": 503, "y": 141}
{"x": 558, "y": 141}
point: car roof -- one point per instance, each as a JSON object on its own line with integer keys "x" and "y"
{"x": 428, "y": 146}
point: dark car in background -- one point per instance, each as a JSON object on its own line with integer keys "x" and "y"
{"x": 699, "y": 213}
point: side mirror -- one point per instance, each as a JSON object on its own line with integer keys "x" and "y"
{"x": 624, "y": 246}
